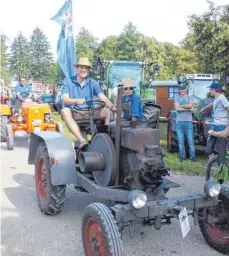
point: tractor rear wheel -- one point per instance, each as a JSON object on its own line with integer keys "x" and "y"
{"x": 151, "y": 114}
{"x": 217, "y": 234}
{"x": 9, "y": 137}
{"x": 3, "y": 128}
{"x": 100, "y": 233}
{"x": 50, "y": 198}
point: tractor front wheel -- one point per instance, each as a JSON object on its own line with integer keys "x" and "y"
{"x": 100, "y": 233}
{"x": 217, "y": 234}
{"x": 50, "y": 198}
{"x": 9, "y": 137}
{"x": 3, "y": 128}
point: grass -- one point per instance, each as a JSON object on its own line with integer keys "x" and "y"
{"x": 57, "y": 118}
{"x": 170, "y": 159}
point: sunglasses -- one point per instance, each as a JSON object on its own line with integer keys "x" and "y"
{"x": 128, "y": 88}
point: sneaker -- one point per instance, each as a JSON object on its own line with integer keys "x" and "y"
{"x": 16, "y": 114}
{"x": 192, "y": 160}
{"x": 180, "y": 159}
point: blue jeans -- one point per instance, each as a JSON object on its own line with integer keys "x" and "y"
{"x": 185, "y": 128}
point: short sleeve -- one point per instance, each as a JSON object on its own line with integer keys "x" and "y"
{"x": 224, "y": 101}
{"x": 17, "y": 89}
{"x": 65, "y": 87}
{"x": 96, "y": 88}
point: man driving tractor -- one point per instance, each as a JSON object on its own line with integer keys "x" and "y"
{"x": 23, "y": 92}
{"x": 76, "y": 91}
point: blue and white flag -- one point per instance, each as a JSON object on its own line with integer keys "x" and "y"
{"x": 66, "y": 51}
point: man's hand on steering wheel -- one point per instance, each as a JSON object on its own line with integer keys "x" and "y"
{"x": 79, "y": 101}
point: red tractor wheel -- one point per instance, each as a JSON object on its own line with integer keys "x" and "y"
{"x": 217, "y": 234}
{"x": 171, "y": 139}
{"x": 9, "y": 137}
{"x": 100, "y": 233}
{"x": 50, "y": 198}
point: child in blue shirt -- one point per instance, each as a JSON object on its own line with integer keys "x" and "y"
{"x": 134, "y": 100}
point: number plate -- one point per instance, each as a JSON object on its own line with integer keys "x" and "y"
{"x": 184, "y": 222}
{"x": 37, "y": 129}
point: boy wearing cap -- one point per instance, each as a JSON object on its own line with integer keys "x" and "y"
{"x": 76, "y": 91}
{"x": 220, "y": 107}
{"x": 184, "y": 124}
{"x": 134, "y": 100}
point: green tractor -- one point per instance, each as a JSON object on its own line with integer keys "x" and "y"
{"x": 198, "y": 88}
{"x": 111, "y": 74}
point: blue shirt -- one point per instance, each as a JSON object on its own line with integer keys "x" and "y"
{"x": 136, "y": 107}
{"x": 23, "y": 90}
{"x": 88, "y": 91}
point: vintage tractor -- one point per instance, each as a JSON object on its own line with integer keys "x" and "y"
{"x": 197, "y": 88}
{"x": 34, "y": 117}
{"x": 123, "y": 165}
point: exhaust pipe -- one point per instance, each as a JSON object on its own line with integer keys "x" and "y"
{"x": 91, "y": 161}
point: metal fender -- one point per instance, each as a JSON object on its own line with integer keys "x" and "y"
{"x": 61, "y": 155}
{"x": 172, "y": 115}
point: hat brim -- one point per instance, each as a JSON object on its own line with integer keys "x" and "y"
{"x": 127, "y": 86}
{"x": 76, "y": 65}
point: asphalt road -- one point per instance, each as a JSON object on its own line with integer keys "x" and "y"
{"x": 26, "y": 231}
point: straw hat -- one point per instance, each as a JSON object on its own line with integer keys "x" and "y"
{"x": 128, "y": 82}
{"x": 83, "y": 61}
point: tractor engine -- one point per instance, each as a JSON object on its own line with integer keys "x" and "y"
{"x": 141, "y": 162}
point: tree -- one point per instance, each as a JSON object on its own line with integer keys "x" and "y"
{"x": 41, "y": 58}
{"x": 128, "y": 42}
{"x": 86, "y": 44}
{"x": 209, "y": 38}
{"x": 107, "y": 49}
{"x": 19, "y": 58}
{"x": 4, "y": 59}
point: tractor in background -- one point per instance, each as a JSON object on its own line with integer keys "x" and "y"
{"x": 111, "y": 74}
{"x": 33, "y": 117}
{"x": 198, "y": 88}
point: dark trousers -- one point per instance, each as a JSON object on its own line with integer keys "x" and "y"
{"x": 17, "y": 105}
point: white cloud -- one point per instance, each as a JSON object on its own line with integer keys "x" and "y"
{"x": 166, "y": 20}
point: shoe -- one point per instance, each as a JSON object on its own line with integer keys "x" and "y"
{"x": 192, "y": 160}
{"x": 16, "y": 114}
{"x": 83, "y": 146}
{"x": 180, "y": 159}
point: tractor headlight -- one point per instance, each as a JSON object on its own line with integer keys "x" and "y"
{"x": 137, "y": 199}
{"x": 47, "y": 117}
{"x": 19, "y": 118}
{"x": 212, "y": 188}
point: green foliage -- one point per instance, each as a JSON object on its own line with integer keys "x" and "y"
{"x": 208, "y": 38}
{"x": 86, "y": 44}
{"x": 41, "y": 59}
{"x": 107, "y": 49}
{"x": 19, "y": 58}
{"x": 128, "y": 43}
{"x": 4, "y": 59}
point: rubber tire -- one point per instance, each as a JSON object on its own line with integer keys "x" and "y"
{"x": 224, "y": 195}
{"x": 148, "y": 114}
{"x": 59, "y": 128}
{"x": 9, "y": 133}
{"x": 3, "y": 128}
{"x": 54, "y": 201}
{"x": 208, "y": 169}
{"x": 171, "y": 148}
{"x": 108, "y": 225}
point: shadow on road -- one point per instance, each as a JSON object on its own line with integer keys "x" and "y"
{"x": 25, "y": 221}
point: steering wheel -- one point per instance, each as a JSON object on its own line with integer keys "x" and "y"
{"x": 95, "y": 105}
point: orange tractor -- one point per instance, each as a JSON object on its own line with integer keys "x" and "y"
{"x": 33, "y": 117}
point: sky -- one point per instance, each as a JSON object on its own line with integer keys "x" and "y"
{"x": 166, "y": 20}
